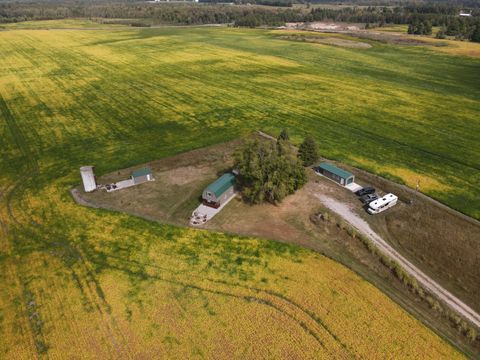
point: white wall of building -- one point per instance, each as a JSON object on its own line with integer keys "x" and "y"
{"x": 88, "y": 178}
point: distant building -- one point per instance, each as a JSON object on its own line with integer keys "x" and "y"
{"x": 220, "y": 191}
{"x": 88, "y": 178}
{"x": 334, "y": 173}
{"x": 142, "y": 175}
{"x": 465, "y": 14}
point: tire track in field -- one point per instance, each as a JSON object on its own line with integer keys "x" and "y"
{"x": 33, "y": 316}
{"x": 24, "y": 179}
{"x": 141, "y": 85}
{"x": 22, "y": 145}
{"x": 306, "y": 319}
{"x": 358, "y": 130}
{"x": 32, "y": 171}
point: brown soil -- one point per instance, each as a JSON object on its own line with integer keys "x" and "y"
{"x": 328, "y": 41}
{"x": 394, "y": 39}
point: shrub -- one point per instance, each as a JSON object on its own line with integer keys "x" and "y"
{"x": 471, "y": 334}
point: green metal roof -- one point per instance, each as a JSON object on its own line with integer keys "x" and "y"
{"x": 335, "y": 170}
{"x": 141, "y": 172}
{"x": 222, "y": 184}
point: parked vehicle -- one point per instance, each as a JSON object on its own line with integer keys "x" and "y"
{"x": 367, "y": 199}
{"x": 382, "y": 204}
{"x": 365, "y": 191}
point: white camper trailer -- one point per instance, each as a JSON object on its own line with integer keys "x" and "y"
{"x": 88, "y": 177}
{"x": 382, "y": 204}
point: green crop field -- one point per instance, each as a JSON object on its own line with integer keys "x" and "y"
{"x": 86, "y": 282}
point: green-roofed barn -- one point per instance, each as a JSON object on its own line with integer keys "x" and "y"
{"x": 218, "y": 192}
{"x": 334, "y": 173}
{"x": 142, "y": 175}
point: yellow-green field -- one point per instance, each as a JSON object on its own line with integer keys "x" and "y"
{"x": 120, "y": 287}
{"x": 62, "y": 24}
{"x": 85, "y": 283}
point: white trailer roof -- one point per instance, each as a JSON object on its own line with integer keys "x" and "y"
{"x": 382, "y": 201}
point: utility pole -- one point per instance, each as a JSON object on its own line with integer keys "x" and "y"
{"x": 416, "y": 190}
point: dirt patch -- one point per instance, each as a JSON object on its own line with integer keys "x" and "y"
{"x": 185, "y": 175}
{"x": 394, "y": 39}
{"x": 328, "y": 41}
{"x": 321, "y": 25}
{"x": 279, "y": 222}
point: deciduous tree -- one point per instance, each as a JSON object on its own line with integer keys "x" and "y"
{"x": 268, "y": 171}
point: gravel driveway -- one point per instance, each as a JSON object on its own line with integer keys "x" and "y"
{"x": 363, "y": 227}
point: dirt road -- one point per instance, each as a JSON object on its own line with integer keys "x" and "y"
{"x": 362, "y": 226}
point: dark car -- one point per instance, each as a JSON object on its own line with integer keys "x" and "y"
{"x": 368, "y": 198}
{"x": 365, "y": 191}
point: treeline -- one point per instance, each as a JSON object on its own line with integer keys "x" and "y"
{"x": 216, "y": 13}
{"x": 278, "y": 3}
{"x": 436, "y": 14}
{"x": 447, "y": 18}
{"x": 421, "y": 17}
{"x": 457, "y": 3}
{"x": 184, "y": 14}
{"x": 461, "y": 28}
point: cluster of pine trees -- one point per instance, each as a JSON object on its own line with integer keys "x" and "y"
{"x": 270, "y": 171}
{"x": 461, "y": 29}
{"x": 420, "y": 28}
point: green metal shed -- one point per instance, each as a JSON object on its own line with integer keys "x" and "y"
{"x": 219, "y": 191}
{"x": 334, "y": 173}
{"x": 142, "y": 175}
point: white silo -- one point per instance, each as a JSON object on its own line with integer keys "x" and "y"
{"x": 88, "y": 178}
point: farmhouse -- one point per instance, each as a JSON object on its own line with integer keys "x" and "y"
{"x": 334, "y": 173}
{"x": 220, "y": 191}
{"x": 142, "y": 175}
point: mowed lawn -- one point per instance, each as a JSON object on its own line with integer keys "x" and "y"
{"x": 79, "y": 282}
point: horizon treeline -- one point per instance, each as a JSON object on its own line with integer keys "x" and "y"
{"x": 419, "y": 17}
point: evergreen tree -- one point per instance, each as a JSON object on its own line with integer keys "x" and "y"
{"x": 420, "y": 30}
{"x": 476, "y": 33}
{"x": 427, "y": 28}
{"x": 441, "y": 33}
{"x": 284, "y": 135}
{"x": 453, "y": 28}
{"x": 411, "y": 29}
{"x": 308, "y": 151}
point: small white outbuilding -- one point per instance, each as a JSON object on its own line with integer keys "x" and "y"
{"x": 88, "y": 178}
